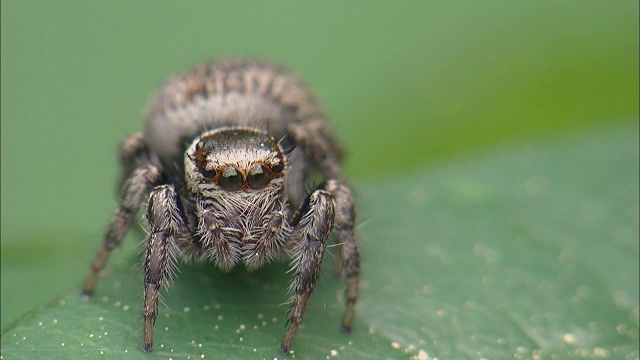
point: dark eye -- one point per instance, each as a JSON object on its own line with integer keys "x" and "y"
{"x": 278, "y": 168}
{"x": 259, "y": 177}
{"x": 230, "y": 179}
{"x": 209, "y": 174}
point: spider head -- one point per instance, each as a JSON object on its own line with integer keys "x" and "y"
{"x": 234, "y": 160}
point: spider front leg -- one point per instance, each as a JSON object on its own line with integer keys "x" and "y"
{"x": 134, "y": 190}
{"x": 166, "y": 226}
{"x": 310, "y": 237}
{"x": 324, "y": 150}
{"x": 350, "y": 254}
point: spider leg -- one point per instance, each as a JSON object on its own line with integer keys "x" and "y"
{"x": 308, "y": 244}
{"x": 142, "y": 177}
{"x": 325, "y": 152}
{"x": 166, "y": 227}
{"x": 320, "y": 146}
{"x": 133, "y": 152}
{"x": 349, "y": 258}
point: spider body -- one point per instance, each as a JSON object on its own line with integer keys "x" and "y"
{"x": 227, "y": 153}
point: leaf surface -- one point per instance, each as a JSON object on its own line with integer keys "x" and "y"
{"x": 527, "y": 252}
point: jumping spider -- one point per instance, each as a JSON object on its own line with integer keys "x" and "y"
{"x": 227, "y": 153}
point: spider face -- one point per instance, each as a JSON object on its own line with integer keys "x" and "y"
{"x": 234, "y": 159}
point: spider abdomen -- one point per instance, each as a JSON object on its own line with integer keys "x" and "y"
{"x": 229, "y": 93}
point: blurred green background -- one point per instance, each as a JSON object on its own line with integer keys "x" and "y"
{"x": 405, "y": 84}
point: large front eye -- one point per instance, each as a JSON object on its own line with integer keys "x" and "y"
{"x": 259, "y": 177}
{"x": 230, "y": 179}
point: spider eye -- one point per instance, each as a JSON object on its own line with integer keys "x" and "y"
{"x": 278, "y": 168}
{"x": 230, "y": 179}
{"x": 259, "y": 177}
{"x": 209, "y": 174}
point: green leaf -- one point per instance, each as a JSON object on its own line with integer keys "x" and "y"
{"x": 404, "y": 84}
{"x": 527, "y": 252}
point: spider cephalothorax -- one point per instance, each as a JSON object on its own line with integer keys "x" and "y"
{"x": 223, "y": 186}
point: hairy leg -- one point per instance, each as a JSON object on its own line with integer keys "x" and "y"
{"x": 349, "y": 252}
{"x": 308, "y": 245}
{"x": 320, "y": 146}
{"x": 325, "y": 152}
{"x": 134, "y": 191}
{"x": 133, "y": 154}
{"x": 166, "y": 227}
